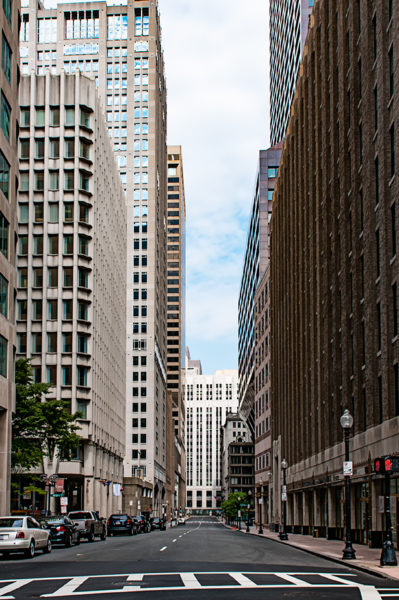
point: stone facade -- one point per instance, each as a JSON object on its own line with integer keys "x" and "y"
{"x": 71, "y": 275}
{"x": 334, "y": 270}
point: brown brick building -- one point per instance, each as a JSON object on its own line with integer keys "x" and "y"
{"x": 334, "y": 270}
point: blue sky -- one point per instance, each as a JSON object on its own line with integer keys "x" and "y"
{"x": 216, "y": 56}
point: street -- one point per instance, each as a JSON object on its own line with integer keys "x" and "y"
{"x": 201, "y": 559}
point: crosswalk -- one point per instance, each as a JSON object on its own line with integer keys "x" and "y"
{"x": 95, "y": 585}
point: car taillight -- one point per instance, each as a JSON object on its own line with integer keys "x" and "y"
{"x": 128, "y": 521}
{"x": 61, "y": 528}
{"x": 86, "y": 523}
{"x": 20, "y": 535}
{"x": 108, "y": 522}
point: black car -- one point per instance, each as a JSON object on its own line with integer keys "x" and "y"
{"x": 62, "y": 530}
{"x": 142, "y": 524}
{"x": 158, "y": 523}
{"x": 121, "y": 524}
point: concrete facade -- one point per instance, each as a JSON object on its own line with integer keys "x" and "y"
{"x": 237, "y": 465}
{"x": 209, "y": 398}
{"x": 9, "y": 80}
{"x": 334, "y": 272}
{"x": 71, "y": 275}
{"x": 120, "y": 46}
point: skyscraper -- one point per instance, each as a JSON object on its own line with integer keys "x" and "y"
{"x": 120, "y": 46}
{"x": 289, "y": 21}
{"x": 71, "y": 308}
{"x": 176, "y": 266}
{"x": 9, "y": 78}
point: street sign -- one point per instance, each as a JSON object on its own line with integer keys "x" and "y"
{"x": 260, "y": 500}
{"x": 284, "y": 496}
{"x": 64, "y": 501}
{"x": 348, "y": 468}
{"x": 56, "y": 495}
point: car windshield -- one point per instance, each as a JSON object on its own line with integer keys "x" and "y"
{"x": 11, "y": 522}
{"x": 80, "y": 515}
{"x": 52, "y": 521}
{"x": 119, "y": 517}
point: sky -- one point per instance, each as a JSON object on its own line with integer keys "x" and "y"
{"x": 216, "y": 57}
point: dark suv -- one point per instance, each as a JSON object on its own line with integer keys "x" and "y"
{"x": 121, "y": 524}
{"x": 142, "y": 524}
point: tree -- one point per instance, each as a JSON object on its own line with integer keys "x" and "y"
{"x": 231, "y": 506}
{"x": 41, "y": 426}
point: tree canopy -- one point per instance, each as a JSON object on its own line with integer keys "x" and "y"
{"x": 231, "y": 506}
{"x": 41, "y": 426}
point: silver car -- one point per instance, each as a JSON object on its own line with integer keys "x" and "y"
{"x": 23, "y": 534}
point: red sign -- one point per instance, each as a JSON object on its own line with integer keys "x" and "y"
{"x": 59, "y": 486}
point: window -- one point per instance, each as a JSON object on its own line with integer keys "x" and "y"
{"x": 67, "y": 375}
{"x": 84, "y": 181}
{"x": 68, "y": 244}
{"x": 83, "y": 278}
{"x": 69, "y": 147}
{"x": 55, "y": 116}
{"x": 53, "y": 277}
{"x": 4, "y": 228}
{"x": 37, "y": 306}
{"x": 82, "y": 376}
{"x": 68, "y": 212}
{"x": 85, "y": 150}
{"x": 38, "y": 244}
{"x": 82, "y": 344}
{"x": 69, "y": 180}
{"x": 38, "y": 277}
{"x": 53, "y": 212}
{"x": 272, "y": 172}
{"x": 82, "y": 310}
{"x": 68, "y": 277}
{"x": 46, "y": 30}
{"x": 54, "y": 148}
{"x": 3, "y": 296}
{"x": 39, "y": 148}
{"x": 5, "y": 175}
{"x": 53, "y": 180}
{"x": 22, "y": 277}
{"x": 52, "y": 375}
{"x": 25, "y": 116}
{"x": 52, "y": 342}
{"x": 69, "y": 116}
{"x": 6, "y": 58}
{"x": 67, "y": 310}
{"x": 83, "y": 246}
{"x": 52, "y": 310}
{"x": 84, "y": 118}
{"x": 5, "y": 116}
{"x": 3, "y": 351}
{"x": 67, "y": 342}
{"x": 40, "y": 117}
{"x": 117, "y": 27}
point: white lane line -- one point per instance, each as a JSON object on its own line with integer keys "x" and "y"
{"x": 180, "y": 536}
{"x": 294, "y": 580}
{"x": 190, "y": 581}
{"x": 174, "y": 540}
{"x": 242, "y": 580}
{"x": 368, "y": 592}
{"x": 162, "y": 549}
{"x": 12, "y": 587}
{"x": 68, "y": 588}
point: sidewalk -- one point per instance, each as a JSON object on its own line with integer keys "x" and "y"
{"x": 367, "y": 559}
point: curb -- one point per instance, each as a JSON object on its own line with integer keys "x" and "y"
{"x": 339, "y": 561}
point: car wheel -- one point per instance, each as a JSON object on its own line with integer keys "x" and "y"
{"x": 30, "y": 552}
{"x": 130, "y": 532}
{"x": 77, "y": 540}
{"x": 90, "y": 537}
{"x": 68, "y": 541}
{"x": 47, "y": 548}
{"x": 103, "y": 536}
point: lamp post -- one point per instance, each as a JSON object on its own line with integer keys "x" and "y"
{"x": 283, "y": 534}
{"x": 388, "y": 556}
{"x": 49, "y": 480}
{"x": 260, "y": 508}
{"x": 248, "y": 507}
{"x": 239, "y": 513}
{"x": 346, "y": 421}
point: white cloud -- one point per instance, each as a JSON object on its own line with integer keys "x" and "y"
{"x": 216, "y": 57}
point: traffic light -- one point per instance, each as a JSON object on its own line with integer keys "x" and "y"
{"x": 386, "y": 464}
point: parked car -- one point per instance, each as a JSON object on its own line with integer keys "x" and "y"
{"x": 142, "y": 524}
{"x": 62, "y": 530}
{"x": 181, "y": 521}
{"x": 23, "y": 534}
{"x": 122, "y": 524}
{"x": 89, "y": 524}
{"x": 158, "y": 523}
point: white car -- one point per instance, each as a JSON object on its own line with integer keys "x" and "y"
{"x": 23, "y": 534}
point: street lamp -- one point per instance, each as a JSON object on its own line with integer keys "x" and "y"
{"x": 388, "y": 556}
{"x": 248, "y": 507}
{"x": 239, "y": 513}
{"x": 346, "y": 421}
{"x": 283, "y": 534}
{"x": 260, "y": 508}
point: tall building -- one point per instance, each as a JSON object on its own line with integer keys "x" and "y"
{"x": 9, "y": 117}
{"x": 120, "y": 46}
{"x": 209, "y": 398}
{"x": 71, "y": 308}
{"x": 255, "y": 263}
{"x": 176, "y": 321}
{"x": 334, "y": 277}
{"x": 288, "y": 27}
{"x": 237, "y": 457}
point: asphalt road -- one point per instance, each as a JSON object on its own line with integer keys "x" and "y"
{"x": 200, "y": 560}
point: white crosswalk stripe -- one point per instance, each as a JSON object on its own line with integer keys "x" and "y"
{"x": 90, "y": 585}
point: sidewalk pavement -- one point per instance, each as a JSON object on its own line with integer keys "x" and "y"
{"x": 367, "y": 559}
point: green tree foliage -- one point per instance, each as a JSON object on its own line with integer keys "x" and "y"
{"x": 231, "y": 506}
{"x": 41, "y": 427}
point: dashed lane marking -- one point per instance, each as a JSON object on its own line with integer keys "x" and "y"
{"x": 161, "y": 550}
{"x": 143, "y": 582}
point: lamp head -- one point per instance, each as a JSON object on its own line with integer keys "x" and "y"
{"x": 346, "y": 420}
{"x": 284, "y": 464}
